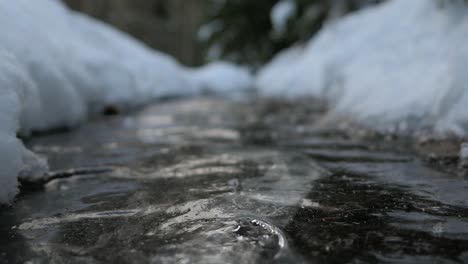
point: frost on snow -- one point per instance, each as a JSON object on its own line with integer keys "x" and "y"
{"x": 57, "y": 66}
{"x": 399, "y": 65}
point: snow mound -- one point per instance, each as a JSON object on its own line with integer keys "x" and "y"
{"x": 85, "y": 63}
{"x": 399, "y": 65}
{"x": 12, "y": 82}
{"x": 58, "y": 66}
{"x": 221, "y": 78}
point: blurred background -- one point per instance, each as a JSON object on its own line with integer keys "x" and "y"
{"x": 248, "y": 32}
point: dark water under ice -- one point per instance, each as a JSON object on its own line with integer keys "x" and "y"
{"x": 211, "y": 181}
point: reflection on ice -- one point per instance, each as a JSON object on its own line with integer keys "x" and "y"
{"x": 186, "y": 134}
{"x": 45, "y": 222}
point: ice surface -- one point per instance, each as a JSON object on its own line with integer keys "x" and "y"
{"x": 399, "y": 65}
{"x": 58, "y": 66}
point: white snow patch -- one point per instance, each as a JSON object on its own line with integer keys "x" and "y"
{"x": 269, "y": 77}
{"x": 34, "y": 166}
{"x": 281, "y": 13}
{"x": 206, "y": 31}
{"x": 13, "y": 82}
{"x": 221, "y": 78}
{"x": 464, "y": 155}
{"x": 400, "y": 64}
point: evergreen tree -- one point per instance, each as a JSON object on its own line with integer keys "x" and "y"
{"x": 242, "y": 30}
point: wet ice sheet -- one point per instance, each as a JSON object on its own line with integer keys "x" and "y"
{"x": 209, "y": 181}
{"x": 183, "y": 215}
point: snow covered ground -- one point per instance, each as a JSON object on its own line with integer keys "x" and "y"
{"x": 221, "y": 78}
{"x": 57, "y": 67}
{"x": 399, "y": 66}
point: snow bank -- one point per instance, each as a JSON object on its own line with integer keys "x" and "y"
{"x": 57, "y": 66}
{"x": 84, "y": 63}
{"x": 221, "y": 78}
{"x": 12, "y": 81}
{"x": 15, "y": 159}
{"x": 399, "y": 65}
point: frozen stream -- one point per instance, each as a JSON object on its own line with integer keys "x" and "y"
{"x": 211, "y": 181}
